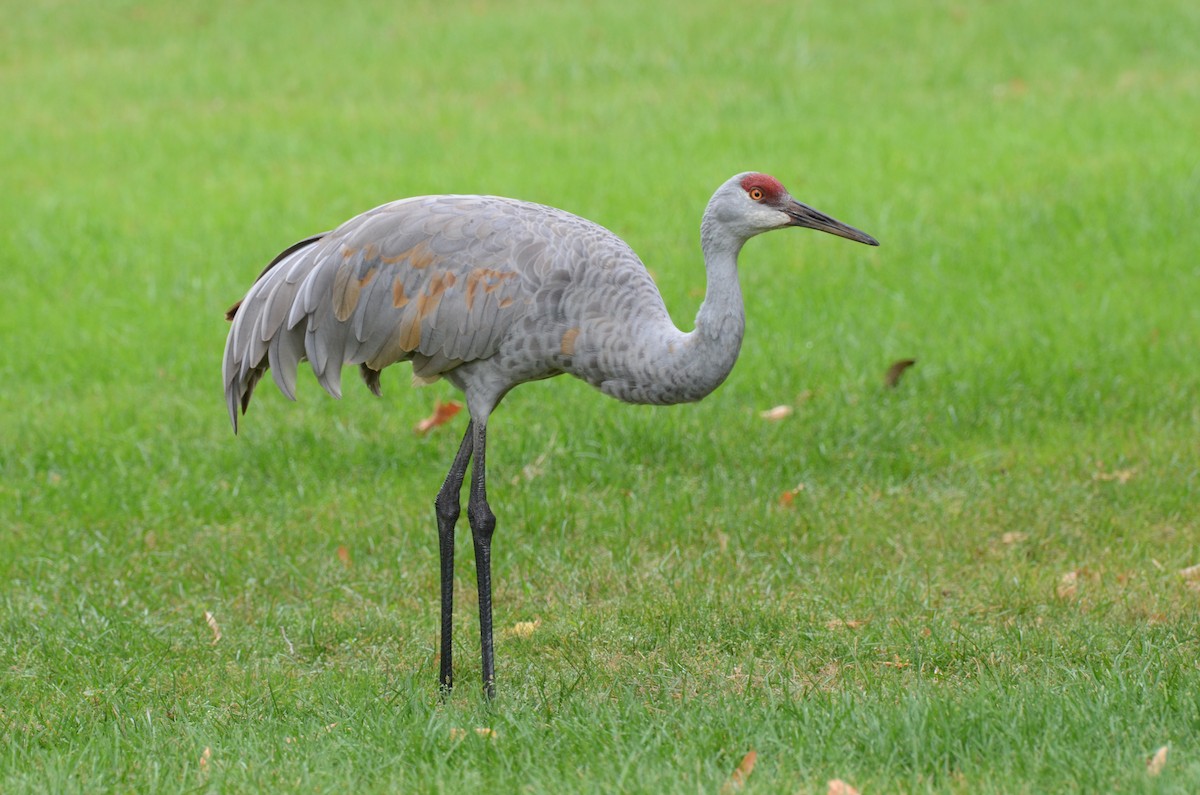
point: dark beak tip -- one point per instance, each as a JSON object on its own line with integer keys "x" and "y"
{"x": 808, "y": 217}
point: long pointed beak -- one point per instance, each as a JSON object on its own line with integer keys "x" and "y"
{"x": 803, "y": 215}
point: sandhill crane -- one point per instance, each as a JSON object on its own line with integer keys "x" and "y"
{"x": 489, "y": 293}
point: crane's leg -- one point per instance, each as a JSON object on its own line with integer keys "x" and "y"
{"x": 447, "y": 507}
{"x": 483, "y": 524}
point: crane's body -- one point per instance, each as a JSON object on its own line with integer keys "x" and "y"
{"x": 489, "y": 293}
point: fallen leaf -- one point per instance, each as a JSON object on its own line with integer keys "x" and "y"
{"x": 212, "y": 624}
{"x": 1156, "y": 763}
{"x": 523, "y": 629}
{"x": 776, "y": 413}
{"x": 839, "y": 787}
{"x": 344, "y": 556}
{"x": 838, "y": 623}
{"x": 722, "y": 542}
{"x": 788, "y": 497}
{"x": 892, "y": 377}
{"x": 205, "y": 755}
{"x": 486, "y": 733}
{"x": 457, "y": 734}
{"x": 1191, "y": 572}
{"x": 1068, "y": 584}
{"x": 442, "y": 413}
{"x": 1121, "y": 476}
{"x": 738, "y": 779}
{"x": 1013, "y": 537}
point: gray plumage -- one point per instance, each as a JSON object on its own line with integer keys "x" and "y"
{"x": 489, "y": 293}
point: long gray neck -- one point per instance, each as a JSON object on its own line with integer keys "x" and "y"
{"x": 670, "y": 366}
{"x": 721, "y": 322}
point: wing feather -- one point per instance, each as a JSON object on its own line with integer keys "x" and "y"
{"x": 435, "y": 280}
{"x": 284, "y": 356}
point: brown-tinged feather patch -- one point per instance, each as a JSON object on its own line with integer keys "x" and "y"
{"x": 490, "y": 278}
{"x": 428, "y": 302}
{"x": 568, "y": 341}
{"x": 419, "y": 256}
{"x": 346, "y": 290}
{"x": 410, "y": 335}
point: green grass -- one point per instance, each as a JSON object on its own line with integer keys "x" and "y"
{"x": 1032, "y": 171}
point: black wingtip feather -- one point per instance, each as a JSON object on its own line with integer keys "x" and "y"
{"x": 371, "y": 378}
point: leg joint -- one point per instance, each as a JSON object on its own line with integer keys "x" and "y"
{"x": 483, "y": 521}
{"x": 447, "y": 506}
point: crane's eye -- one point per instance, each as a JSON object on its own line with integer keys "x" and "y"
{"x": 756, "y": 194}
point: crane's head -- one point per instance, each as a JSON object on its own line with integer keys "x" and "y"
{"x": 752, "y": 203}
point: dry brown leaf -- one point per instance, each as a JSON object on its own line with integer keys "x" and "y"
{"x": 442, "y": 413}
{"x": 839, "y": 787}
{"x": 1191, "y": 572}
{"x": 1068, "y": 585}
{"x": 892, "y": 377}
{"x": 486, "y": 733}
{"x": 838, "y": 623}
{"x": 523, "y": 629}
{"x": 776, "y": 413}
{"x": 788, "y": 497}
{"x": 1121, "y": 476}
{"x": 1156, "y": 763}
{"x": 212, "y": 624}
{"x": 742, "y": 772}
{"x": 344, "y": 556}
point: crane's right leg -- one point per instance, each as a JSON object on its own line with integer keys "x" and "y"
{"x": 447, "y": 507}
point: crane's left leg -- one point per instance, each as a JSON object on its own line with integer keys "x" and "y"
{"x": 446, "y": 506}
{"x": 483, "y": 524}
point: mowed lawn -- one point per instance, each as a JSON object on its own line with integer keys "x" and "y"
{"x": 979, "y": 581}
